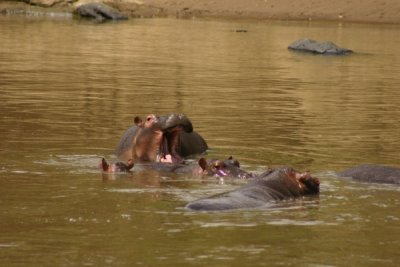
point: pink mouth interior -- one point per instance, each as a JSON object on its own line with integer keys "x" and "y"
{"x": 167, "y": 148}
{"x": 166, "y": 159}
{"x": 221, "y": 173}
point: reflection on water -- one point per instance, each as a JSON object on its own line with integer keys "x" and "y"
{"x": 70, "y": 88}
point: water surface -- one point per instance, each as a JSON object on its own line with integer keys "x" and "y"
{"x": 70, "y": 88}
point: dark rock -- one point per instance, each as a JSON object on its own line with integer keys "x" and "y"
{"x": 373, "y": 173}
{"x": 99, "y": 11}
{"x": 308, "y": 45}
{"x": 240, "y": 30}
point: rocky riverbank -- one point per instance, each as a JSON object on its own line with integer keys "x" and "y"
{"x": 375, "y": 11}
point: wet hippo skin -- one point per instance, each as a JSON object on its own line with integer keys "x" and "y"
{"x": 283, "y": 183}
{"x": 168, "y": 138}
{"x": 373, "y": 173}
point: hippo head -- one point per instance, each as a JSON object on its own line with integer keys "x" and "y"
{"x": 115, "y": 167}
{"x": 223, "y": 168}
{"x": 311, "y": 185}
{"x": 307, "y": 184}
{"x": 157, "y": 138}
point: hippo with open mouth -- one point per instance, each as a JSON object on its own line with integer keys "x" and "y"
{"x": 167, "y": 138}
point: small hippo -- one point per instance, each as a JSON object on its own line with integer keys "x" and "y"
{"x": 115, "y": 167}
{"x": 229, "y": 168}
{"x": 280, "y": 184}
{"x": 373, "y": 173}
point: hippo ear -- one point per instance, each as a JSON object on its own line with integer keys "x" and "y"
{"x": 129, "y": 164}
{"x": 104, "y": 164}
{"x": 234, "y": 161}
{"x": 138, "y": 121}
{"x": 203, "y": 163}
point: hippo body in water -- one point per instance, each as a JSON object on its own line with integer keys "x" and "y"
{"x": 280, "y": 184}
{"x": 373, "y": 173}
{"x": 168, "y": 138}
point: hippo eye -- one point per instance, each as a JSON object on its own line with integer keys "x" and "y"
{"x": 218, "y": 164}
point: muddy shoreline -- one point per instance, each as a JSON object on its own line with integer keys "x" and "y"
{"x": 369, "y": 11}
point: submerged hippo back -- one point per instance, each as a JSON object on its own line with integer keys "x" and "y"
{"x": 277, "y": 185}
{"x": 226, "y": 201}
{"x": 373, "y": 173}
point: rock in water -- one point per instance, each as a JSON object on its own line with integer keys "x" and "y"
{"x": 99, "y": 11}
{"x": 308, "y": 45}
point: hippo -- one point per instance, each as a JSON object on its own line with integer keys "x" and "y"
{"x": 279, "y": 184}
{"x": 168, "y": 138}
{"x": 327, "y": 48}
{"x": 373, "y": 173}
{"x": 99, "y": 12}
{"x": 115, "y": 167}
{"x": 229, "y": 168}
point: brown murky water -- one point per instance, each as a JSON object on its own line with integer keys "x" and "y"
{"x": 69, "y": 89}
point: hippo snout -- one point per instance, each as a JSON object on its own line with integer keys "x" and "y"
{"x": 176, "y": 120}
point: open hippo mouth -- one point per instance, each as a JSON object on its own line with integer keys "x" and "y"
{"x": 172, "y": 126}
{"x": 166, "y": 138}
